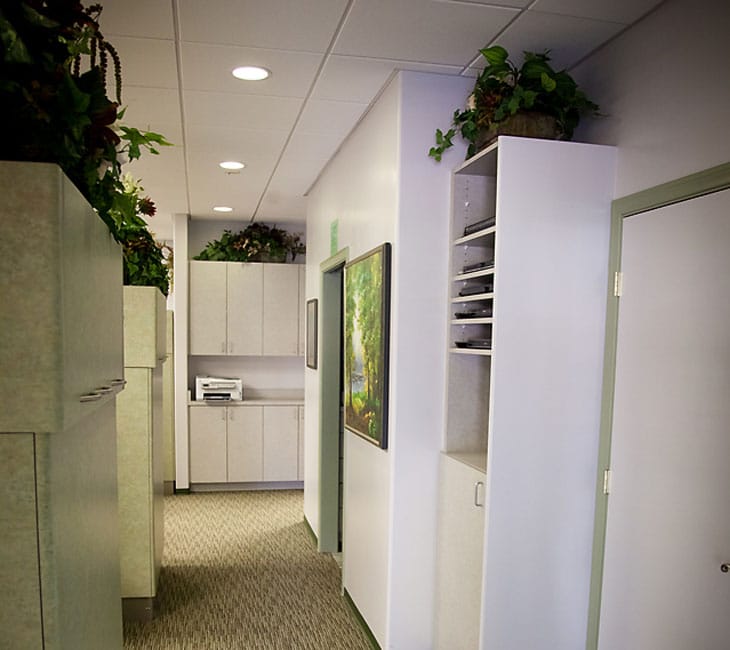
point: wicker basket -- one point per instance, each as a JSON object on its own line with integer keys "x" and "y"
{"x": 528, "y": 124}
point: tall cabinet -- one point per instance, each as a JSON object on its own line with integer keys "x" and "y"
{"x": 529, "y": 256}
{"x": 61, "y": 366}
{"x": 140, "y": 452}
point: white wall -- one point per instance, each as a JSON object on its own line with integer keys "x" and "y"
{"x": 665, "y": 90}
{"x": 381, "y": 187}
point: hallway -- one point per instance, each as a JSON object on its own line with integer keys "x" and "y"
{"x": 240, "y": 571}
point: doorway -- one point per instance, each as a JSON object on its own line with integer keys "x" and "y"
{"x": 331, "y": 430}
{"x": 661, "y": 575}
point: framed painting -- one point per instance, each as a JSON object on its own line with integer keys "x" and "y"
{"x": 312, "y": 333}
{"x": 367, "y": 332}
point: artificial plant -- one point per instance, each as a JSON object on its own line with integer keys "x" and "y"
{"x": 502, "y": 90}
{"x": 53, "y": 101}
{"x": 256, "y": 242}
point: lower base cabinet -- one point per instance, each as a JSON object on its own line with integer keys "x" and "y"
{"x": 245, "y": 443}
{"x": 460, "y": 550}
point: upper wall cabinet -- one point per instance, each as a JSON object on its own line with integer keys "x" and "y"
{"x": 245, "y": 308}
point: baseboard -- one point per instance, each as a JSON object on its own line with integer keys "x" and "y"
{"x": 169, "y": 488}
{"x": 138, "y": 610}
{"x": 361, "y": 621}
{"x": 242, "y": 487}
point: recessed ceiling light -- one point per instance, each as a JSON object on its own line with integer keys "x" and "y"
{"x": 251, "y": 73}
{"x": 222, "y": 208}
{"x": 232, "y": 164}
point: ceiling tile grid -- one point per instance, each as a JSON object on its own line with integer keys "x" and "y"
{"x": 329, "y": 60}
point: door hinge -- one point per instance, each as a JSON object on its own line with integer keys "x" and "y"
{"x": 618, "y": 282}
{"x": 606, "y": 481}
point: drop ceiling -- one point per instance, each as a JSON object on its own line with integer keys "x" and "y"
{"x": 329, "y": 60}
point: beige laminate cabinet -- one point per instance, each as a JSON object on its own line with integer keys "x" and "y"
{"x": 140, "y": 450}
{"x": 244, "y": 309}
{"x": 245, "y": 444}
{"x": 61, "y": 344}
{"x": 281, "y": 443}
{"x": 208, "y": 444}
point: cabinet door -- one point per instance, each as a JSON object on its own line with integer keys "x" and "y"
{"x": 460, "y": 548}
{"x": 245, "y": 444}
{"x": 208, "y": 444}
{"x": 300, "y": 463}
{"x": 281, "y": 309}
{"x": 207, "y": 308}
{"x": 281, "y": 444}
{"x": 301, "y": 314}
{"x": 245, "y": 299}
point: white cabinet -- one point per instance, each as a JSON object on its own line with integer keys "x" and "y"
{"x": 245, "y": 443}
{"x": 526, "y": 314}
{"x": 62, "y": 344}
{"x": 460, "y": 544}
{"x": 281, "y": 443}
{"x": 244, "y": 309}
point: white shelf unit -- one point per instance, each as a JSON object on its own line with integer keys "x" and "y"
{"x": 525, "y": 412}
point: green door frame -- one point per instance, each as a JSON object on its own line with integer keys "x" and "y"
{"x": 705, "y": 182}
{"x": 330, "y": 354}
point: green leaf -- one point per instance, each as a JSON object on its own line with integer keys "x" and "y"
{"x": 495, "y": 55}
{"x": 15, "y": 49}
{"x": 548, "y": 83}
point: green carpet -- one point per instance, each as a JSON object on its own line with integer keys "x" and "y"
{"x": 240, "y": 571}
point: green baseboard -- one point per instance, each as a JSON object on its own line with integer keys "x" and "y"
{"x": 361, "y": 620}
{"x": 310, "y": 530}
{"x": 177, "y": 490}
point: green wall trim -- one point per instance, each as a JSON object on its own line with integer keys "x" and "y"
{"x": 310, "y": 530}
{"x": 330, "y": 306}
{"x": 361, "y": 620}
{"x": 701, "y": 183}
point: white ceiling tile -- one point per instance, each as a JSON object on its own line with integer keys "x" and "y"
{"x": 278, "y": 207}
{"x": 502, "y": 3}
{"x": 303, "y": 26}
{"x": 208, "y": 67}
{"x": 241, "y": 111}
{"x": 421, "y": 30}
{"x": 330, "y": 117}
{"x": 152, "y": 106}
{"x": 148, "y": 62}
{"x": 618, "y": 11}
{"x": 149, "y": 19}
{"x": 355, "y": 79}
{"x": 567, "y": 38}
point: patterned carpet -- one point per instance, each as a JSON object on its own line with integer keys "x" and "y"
{"x": 240, "y": 571}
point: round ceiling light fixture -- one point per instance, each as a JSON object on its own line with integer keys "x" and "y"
{"x": 222, "y": 208}
{"x": 251, "y": 73}
{"x": 232, "y": 165}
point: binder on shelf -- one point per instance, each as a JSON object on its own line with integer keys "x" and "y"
{"x": 478, "y": 266}
{"x": 475, "y": 289}
{"x": 480, "y": 225}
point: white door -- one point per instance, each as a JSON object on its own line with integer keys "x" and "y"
{"x": 245, "y": 300}
{"x": 207, "y": 308}
{"x": 668, "y": 525}
{"x": 281, "y": 309}
{"x": 281, "y": 444}
{"x": 245, "y": 444}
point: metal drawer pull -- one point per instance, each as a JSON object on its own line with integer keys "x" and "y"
{"x": 477, "y": 487}
{"x": 90, "y": 397}
{"x": 725, "y": 567}
{"x": 118, "y": 382}
{"x": 104, "y": 390}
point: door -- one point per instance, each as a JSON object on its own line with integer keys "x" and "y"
{"x": 281, "y": 309}
{"x": 245, "y": 300}
{"x": 245, "y": 444}
{"x": 668, "y": 522}
{"x": 207, "y": 308}
{"x": 208, "y": 446}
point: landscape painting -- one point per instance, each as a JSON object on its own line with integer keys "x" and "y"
{"x": 367, "y": 328}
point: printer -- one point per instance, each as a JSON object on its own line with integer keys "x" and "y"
{"x": 218, "y": 389}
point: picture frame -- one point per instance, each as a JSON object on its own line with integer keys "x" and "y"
{"x": 311, "y": 347}
{"x": 367, "y": 345}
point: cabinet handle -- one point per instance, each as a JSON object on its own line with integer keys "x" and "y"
{"x": 118, "y": 382}
{"x": 230, "y": 348}
{"x": 90, "y": 397}
{"x": 103, "y": 390}
{"x": 477, "y": 489}
{"x": 223, "y": 414}
{"x": 223, "y": 347}
{"x": 230, "y": 415}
